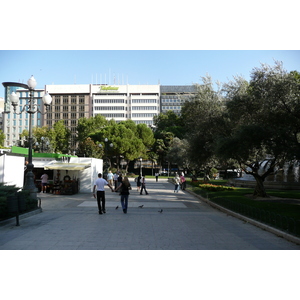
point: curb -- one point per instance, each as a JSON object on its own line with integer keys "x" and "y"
{"x": 263, "y": 226}
{"x": 22, "y": 216}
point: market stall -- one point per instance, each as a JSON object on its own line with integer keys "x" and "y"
{"x": 74, "y": 175}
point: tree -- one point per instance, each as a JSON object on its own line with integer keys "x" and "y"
{"x": 162, "y": 144}
{"x": 178, "y": 153}
{"x": 126, "y": 144}
{"x": 169, "y": 122}
{"x": 2, "y": 138}
{"x": 59, "y": 137}
{"x": 146, "y": 135}
{"x": 88, "y": 126}
{"x": 264, "y": 123}
{"x": 204, "y": 122}
{"x": 88, "y": 148}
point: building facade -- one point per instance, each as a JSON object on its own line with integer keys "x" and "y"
{"x": 13, "y": 122}
{"x": 1, "y": 112}
{"x": 69, "y": 103}
{"x": 139, "y": 103}
{"x": 174, "y": 96}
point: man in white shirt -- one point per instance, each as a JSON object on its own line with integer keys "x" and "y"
{"x": 110, "y": 178}
{"x": 99, "y": 185}
{"x": 116, "y": 179}
{"x": 143, "y": 185}
{"x": 44, "y": 178}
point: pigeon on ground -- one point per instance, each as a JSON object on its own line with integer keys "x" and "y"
{"x": 117, "y": 207}
{"x": 160, "y": 211}
{"x": 141, "y": 206}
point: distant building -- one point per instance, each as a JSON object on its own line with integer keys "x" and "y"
{"x": 1, "y": 111}
{"x": 139, "y": 103}
{"x": 15, "y": 123}
{"x": 69, "y": 103}
{"x": 174, "y": 96}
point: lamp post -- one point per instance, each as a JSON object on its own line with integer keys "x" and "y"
{"x": 42, "y": 148}
{"x": 106, "y": 156}
{"x": 31, "y": 108}
{"x": 141, "y": 166}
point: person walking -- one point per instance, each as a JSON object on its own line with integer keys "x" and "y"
{"x": 143, "y": 181}
{"x": 110, "y": 178}
{"x": 116, "y": 179}
{"x": 124, "y": 192}
{"x": 182, "y": 181}
{"x": 99, "y": 185}
{"x": 44, "y": 182}
{"x": 120, "y": 179}
{"x": 156, "y": 176}
{"x": 138, "y": 183}
{"x": 176, "y": 181}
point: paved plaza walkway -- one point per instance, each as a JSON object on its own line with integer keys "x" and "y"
{"x": 186, "y": 223}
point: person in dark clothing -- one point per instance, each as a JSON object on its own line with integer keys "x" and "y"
{"x": 124, "y": 188}
{"x": 99, "y": 188}
{"x": 120, "y": 180}
{"x": 139, "y": 183}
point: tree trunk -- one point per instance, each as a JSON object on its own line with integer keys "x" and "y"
{"x": 259, "y": 190}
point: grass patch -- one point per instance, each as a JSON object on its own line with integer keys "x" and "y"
{"x": 275, "y": 213}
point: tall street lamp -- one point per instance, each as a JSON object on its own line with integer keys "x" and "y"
{"x": 107, "y": 162}
{"x": 41, "y": 149}
{"x": 31, "y": 108}
{"x": 141, "y": 166}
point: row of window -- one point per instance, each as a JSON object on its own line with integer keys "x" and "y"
{"x": 50, "y": 121}
{"x": 142, "y": 94}
{"x": 171, "y": 100}
{"x": 144, "y": 100}
{"x": 148, "y": 122}
{"x": 114, "y": 115}
{"x": 57, "y": 99}
{"x": 171, "y": 108}
{"x": 110, "y": 101}
{"x": 143, "y": 115}
{"x": 67, "y": 108}
{"x": 26, "y": 116}
{"x": 110, "y": 108}
{"x": 144, "y": 108}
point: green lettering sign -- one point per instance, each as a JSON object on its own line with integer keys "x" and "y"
{"x": 109, "y": 88}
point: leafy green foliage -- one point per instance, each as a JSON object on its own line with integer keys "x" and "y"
{"x": 60, "y": 137}
{"x": 2, "y": 138}
{"x": 215, "y": 188}
{"x": 10, "y": 190}
{"x": 169, "y": 122}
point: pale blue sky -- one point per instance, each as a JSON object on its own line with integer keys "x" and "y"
{"x": 169, "y": 67}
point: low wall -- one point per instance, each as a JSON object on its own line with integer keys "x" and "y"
{"x": 267, "y": 184}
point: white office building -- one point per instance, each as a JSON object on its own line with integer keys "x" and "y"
{"x": 139, "y": 103}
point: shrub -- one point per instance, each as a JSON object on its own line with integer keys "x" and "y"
{"x": 9, "y": 190}
{"x": 215, "y": 188}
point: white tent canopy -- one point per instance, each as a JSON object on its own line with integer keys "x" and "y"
{"x": 67, "y": 166}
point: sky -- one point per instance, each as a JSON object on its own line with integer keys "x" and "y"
{"x": 159, "y": 43}
{"x": 167, "y": 67}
